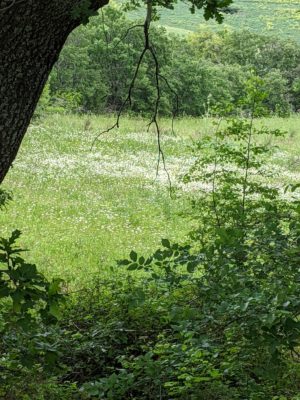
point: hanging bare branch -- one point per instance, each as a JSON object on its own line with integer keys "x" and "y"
{"x": 148, "y": 48}
{"x": 175, "y": 110}
{"x": 127, "y": 32}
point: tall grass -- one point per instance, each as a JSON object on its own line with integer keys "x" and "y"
{"x": 80, "y": 209}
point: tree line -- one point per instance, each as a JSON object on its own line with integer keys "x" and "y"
{"x": 200, "y": 71}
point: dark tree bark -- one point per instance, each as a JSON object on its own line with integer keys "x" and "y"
{"x": 32, "y": 34}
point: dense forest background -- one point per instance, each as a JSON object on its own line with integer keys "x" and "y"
{"x": 204, "y": 69}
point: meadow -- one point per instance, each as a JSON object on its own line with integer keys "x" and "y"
{"x": 80, "y": 208}
{"x": 269, "y": 17}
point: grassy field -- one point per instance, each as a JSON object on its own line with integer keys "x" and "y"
{"x": 81, "y": 209}
{"x": 276, "y": 17}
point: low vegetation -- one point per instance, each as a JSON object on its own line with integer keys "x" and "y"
{"x": 213, "y": 313}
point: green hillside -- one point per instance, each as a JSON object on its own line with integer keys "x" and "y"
{"x": 276, "y": 17}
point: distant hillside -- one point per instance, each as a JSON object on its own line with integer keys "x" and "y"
{"x": 276, "y": 17}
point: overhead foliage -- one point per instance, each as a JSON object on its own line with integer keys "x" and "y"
{"x": 211, "y": 8}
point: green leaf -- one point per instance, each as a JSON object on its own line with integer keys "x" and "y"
{"x": 166, "y": 243}
{"x": 14, "y": 236}
{"x": 55, "y": 310}
{"x": 16, "y": 306}
{"x": 133, "y": 267}
{"x": 124, "y": 262}
{"x": 28, "y": 271}
{"x": 133, "y": 255}
{"x": 141, "y": 260}
{"x": 148, "y": 261}
{"x": 245, "y": 306}
{"x": 54, "y": 286}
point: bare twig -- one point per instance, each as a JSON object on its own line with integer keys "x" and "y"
{"x": 148, "y": 47}
{"x": 176, "y": 110}
{"x": 126, "y": 34}
{"x": 215, "y": 207}
{"x": 127, "y": 100}
{"x": 161, "y": 155}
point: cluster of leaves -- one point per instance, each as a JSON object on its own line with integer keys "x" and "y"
{"x": 231, "y": 164}
{"x": 211, "y": 9}
{"x": 167, "y": 260}
{"x": 217, "y": 318}
{"x": 5, "y": 197}
{"x": 97, "y": 64}
{"x": 232, "y": 308}
{"x": 29, "y": 303}
{"x": 190, "y": 337}
{"x": 24, "y": 287}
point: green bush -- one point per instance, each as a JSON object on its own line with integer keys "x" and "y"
{"x": 219, "y": 318}
{"x": 214, "y": 319}
{"x": 29, "y": 306}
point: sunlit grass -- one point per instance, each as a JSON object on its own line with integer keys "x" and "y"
{"x": 80, "y": 209}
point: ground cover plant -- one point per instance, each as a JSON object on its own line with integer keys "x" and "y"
{"x": 213, "y": 315}
{"x": 74, "y": 188}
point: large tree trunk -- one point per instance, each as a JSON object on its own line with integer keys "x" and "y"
{"x": 32, "y": 33}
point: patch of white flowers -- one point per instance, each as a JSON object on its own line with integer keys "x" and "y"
{"x": 119, "y": 155}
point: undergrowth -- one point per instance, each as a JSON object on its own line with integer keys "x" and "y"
{"x": 214, "y": 318}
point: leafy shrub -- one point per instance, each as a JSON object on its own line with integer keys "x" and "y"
{"x": 214, "y": 319}
{"x": 44, "y": 104}
{"x": 218, "y": 318}
{"x": 29, "y": 305}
